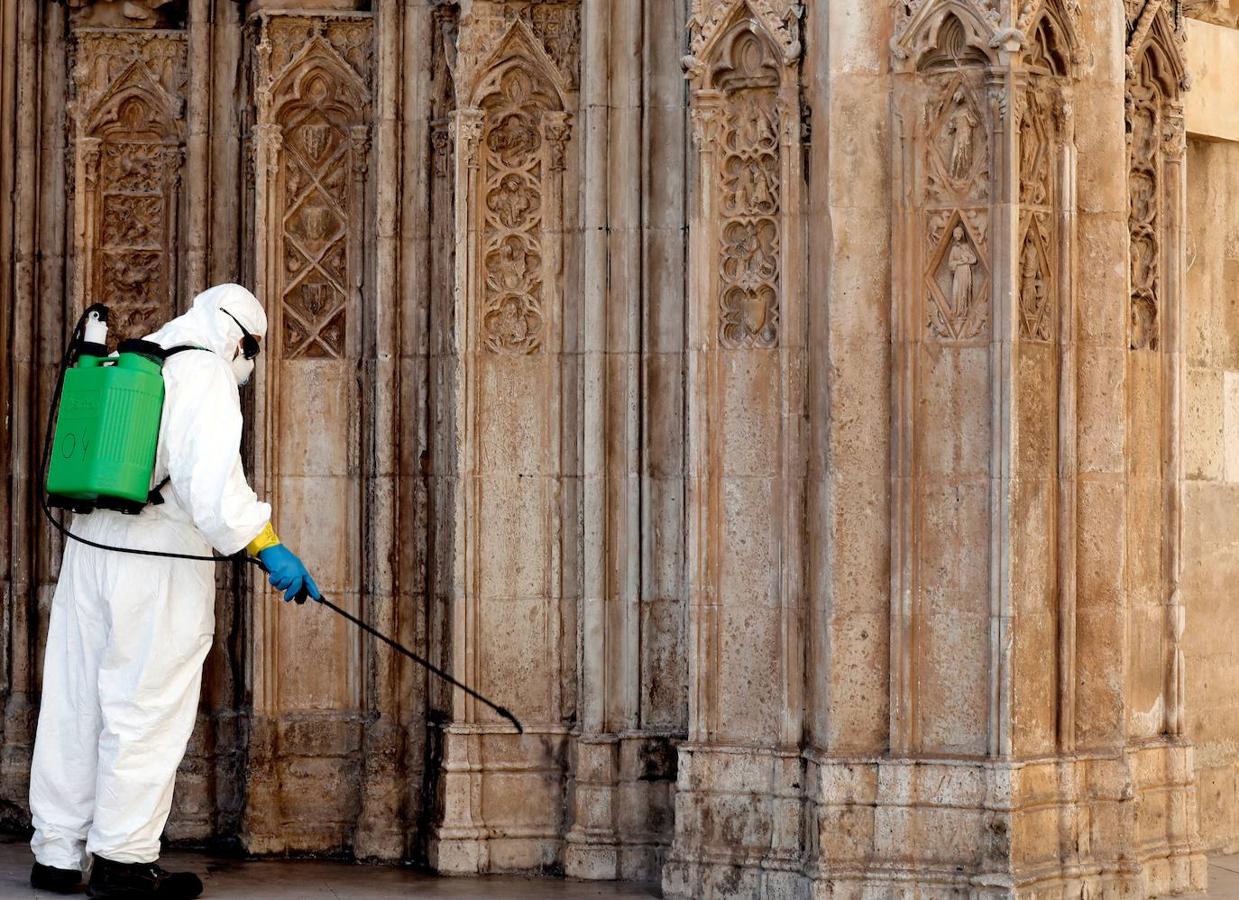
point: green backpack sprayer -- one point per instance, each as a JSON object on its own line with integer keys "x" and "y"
{"x": 100, "y": 444}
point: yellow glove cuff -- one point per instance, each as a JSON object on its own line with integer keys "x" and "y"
{"x": 266, "y": 538}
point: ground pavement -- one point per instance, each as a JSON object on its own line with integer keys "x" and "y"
{"x": 313, "y": 880}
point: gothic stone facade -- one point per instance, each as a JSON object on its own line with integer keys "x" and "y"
{"x": 818, "y": 421}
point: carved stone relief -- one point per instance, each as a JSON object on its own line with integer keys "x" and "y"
{"x": 1036, "y": 266}
{"x": 1155, "y": 134}
{"x": 127, "y": 13}
{"x": 749, "y": 191}
{"x": 956, "y": 191}
{"x": 514, "y": 164}
{"x": 128, "y": 106}
{"x": 313, "y": 116}
{"x": 740, "y": 118}
{"x": 1144, "y": 194}
{"x": 514, "y": 141}
{"x": 555, "y": 26}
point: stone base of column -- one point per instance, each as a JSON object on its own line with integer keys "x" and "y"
{"x": 1121, "y": 825}
{"x": 501, "y": 796}
{"x": 621, "y": 806}
{"x": 303, "y": 790}
{"x": 1114, "y": 825}
{"x": 739, "y": 824}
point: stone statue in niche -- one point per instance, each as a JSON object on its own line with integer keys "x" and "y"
{"x": 1034, "y": 292}
{"x": 962, "y": 259}
{"x": 957, "y": 163}
{"x": 960, "y": 128}
{"x": 956, "y": 282}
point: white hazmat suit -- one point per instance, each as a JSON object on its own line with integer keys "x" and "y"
{"x": 129, "y": 634}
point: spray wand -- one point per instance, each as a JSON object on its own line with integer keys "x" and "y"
{"x": 100, "y": 313}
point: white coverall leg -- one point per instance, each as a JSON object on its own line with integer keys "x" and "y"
{"x": 129, "y": 634}
{"x": 127, "y": 639}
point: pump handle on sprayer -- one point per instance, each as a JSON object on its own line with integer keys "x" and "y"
{"x": 93, "y": 324}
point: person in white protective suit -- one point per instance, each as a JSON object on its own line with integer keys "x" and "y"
{"x": 129, "y": 634}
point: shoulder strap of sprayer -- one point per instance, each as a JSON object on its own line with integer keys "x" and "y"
{"x": 155, "y": 497}
{"x": 173, "y": 351}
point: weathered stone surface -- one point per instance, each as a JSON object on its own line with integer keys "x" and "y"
{"x": 818, "y": 422}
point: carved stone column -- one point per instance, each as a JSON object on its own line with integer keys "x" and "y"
{"x": 1008, "y": 616}
{"x": 739, "y": 812}
{"x": 622, "y": 760}
{"x": 512, "y": 603}
{"x": 313, "y": 97}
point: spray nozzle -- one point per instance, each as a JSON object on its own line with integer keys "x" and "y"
{"x": 95, "y": 330}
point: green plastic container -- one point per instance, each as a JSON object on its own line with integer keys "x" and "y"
{"x": 107, "y": 429}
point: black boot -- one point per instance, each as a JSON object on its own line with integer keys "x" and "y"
{"x": 140, "y": 881}
{"x": 58, "y": 881}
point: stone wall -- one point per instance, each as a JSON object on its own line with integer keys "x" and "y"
{"x": 1212, "y": 490}
{"x": 779, "y": 406}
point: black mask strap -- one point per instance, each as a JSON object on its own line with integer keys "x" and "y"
{"x": 249, "y": 344}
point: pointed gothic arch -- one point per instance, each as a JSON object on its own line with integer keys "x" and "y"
{"x": 130, "y": 146}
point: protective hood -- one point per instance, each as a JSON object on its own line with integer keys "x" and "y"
{"x": 205, "y": 326}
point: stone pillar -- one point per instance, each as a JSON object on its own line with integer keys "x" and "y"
{"x": 513, "y": 598}
{"x": 313, "y": 95}
{"x": 1013, "y": 764}
{"x": 738, "y": 806}
{"x": 620, "y": 792}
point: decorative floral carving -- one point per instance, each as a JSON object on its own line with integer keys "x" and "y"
{"x": 514, "y": 170}
{"x": 1144, "y": 120}
{"x": 314, "y": 84}
{"x": 553, "y": 25}
{"x": 130, "y": 153}
{"x": 709, "y": 21}
{"x": 746, "y": 130}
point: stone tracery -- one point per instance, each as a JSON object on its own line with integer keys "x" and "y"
{"x": 130, "y": 152}
{"x": 514, "y": 163}
{"x": 313, "y": 108}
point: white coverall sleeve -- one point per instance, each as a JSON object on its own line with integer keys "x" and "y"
{"x": 202, "y": 437}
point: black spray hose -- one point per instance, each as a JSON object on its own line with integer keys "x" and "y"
{"x": 240, "y": 556}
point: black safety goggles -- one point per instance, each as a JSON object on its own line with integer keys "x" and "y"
{"x": 250, "y": 347}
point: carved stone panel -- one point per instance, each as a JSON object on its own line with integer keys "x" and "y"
{"x": 130, "y": 150}
{"x": 979, "y": 162}
{"x": 746, "y": 125}
{"x": 313, "y": 111}
{"x": 956, "y": 191}
{"x": 515, "y": 160}
{"x": 1145, "y": 188}
{"x": 748, "y": 194}
{"x": 1036, "y": 267}
{"x": 1156, "y": 140}
{"x": 128, "y": 13}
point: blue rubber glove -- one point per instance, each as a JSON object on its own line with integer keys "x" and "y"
{"x": 288, "y": 573}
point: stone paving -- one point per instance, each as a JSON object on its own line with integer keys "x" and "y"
{"x": 312, "y": 880}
